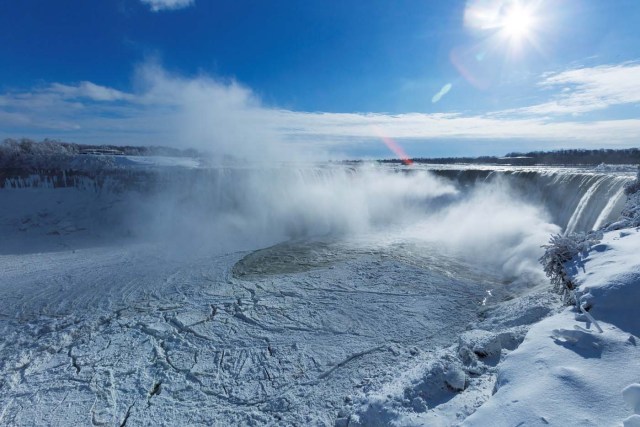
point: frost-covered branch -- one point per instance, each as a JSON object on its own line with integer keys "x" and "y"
{"x": 583, "y": 309}
{"x": 561, "y": 250}
{"x": 630, "y": 216}
{"x": 633, "y": 186}
{"x": 49, "y": 154}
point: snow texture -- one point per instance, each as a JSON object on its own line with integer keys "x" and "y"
{"x": 371, "y": 315}
{"x": 566, "y": 372}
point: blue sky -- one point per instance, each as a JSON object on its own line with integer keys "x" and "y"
{"x": 324, "y": 78}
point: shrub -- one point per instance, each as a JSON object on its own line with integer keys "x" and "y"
{"x": 562, "y": 250}
{"x": 630, "y": 215}
{"x": 633, "y": 186}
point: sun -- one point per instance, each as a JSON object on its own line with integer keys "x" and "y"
{"x": 517, "y": 22}
{"x": 511, "y": 27}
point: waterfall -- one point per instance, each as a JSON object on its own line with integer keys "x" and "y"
{"x": 616, "y": 200}
{"x": 574, "y": 200}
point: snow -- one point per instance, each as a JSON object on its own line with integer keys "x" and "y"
{"x": 631, "y": 395}
{"x": 445, "y": 386}
{"x": 90, "y": 334}
{"x": 566, "y": 372}
{"x": 98, "y": 326}
{"x": 156, "y": 161}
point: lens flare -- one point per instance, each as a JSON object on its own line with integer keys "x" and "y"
{"x": 442, "y": 92}
{"x": 394, "y": 147}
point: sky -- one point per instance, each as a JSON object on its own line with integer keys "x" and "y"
{"x": 318, "y": 78}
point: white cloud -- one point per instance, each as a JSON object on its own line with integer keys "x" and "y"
{"x": 455, "y": 126}
{"x": 88, "y": 90}
{"x": 584, "y": 90}
{"x": 227, "y": 118}
{"x": 158, "y": 5}
{"x": 201, "y": 112}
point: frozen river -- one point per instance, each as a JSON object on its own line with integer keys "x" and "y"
{"x": 289, "y": 306}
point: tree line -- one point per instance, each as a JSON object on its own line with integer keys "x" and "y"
{"x": 27, "y": 153}
{"x": 567, "y": 157}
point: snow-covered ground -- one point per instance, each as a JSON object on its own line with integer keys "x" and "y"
{"x": 567, "y": 371}
{"x": 136, "y": 332}
{"x": 387, "y": 326}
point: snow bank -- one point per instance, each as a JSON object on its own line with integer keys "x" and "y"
{"x": 441, "y": 387}
{"x": 566, "y": 372}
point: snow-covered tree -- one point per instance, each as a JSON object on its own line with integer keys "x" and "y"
{"x": 561, "y": 250}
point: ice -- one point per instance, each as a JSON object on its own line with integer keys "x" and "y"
{"x": 455, "y": 378}
{"x": 482, "y": 343}
{"x": 322, "y": 296}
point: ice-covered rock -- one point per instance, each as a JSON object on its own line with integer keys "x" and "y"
{"x": 455, "y": 377}
{"x": 482, "y": 343}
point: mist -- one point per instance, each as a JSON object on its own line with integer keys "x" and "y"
{"x": 262, "y": 189}
{"x": 224, "y": 210}
{"x": 494, "y": 225}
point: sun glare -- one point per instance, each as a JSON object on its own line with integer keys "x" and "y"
{"x": 517, "y": 22}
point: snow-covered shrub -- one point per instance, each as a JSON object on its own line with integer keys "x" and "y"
{"x": 28, "y": 154}
{"x": 633, "y": 186}
{"x": 562, "y": 249}
{"x": 630, "y": 215}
